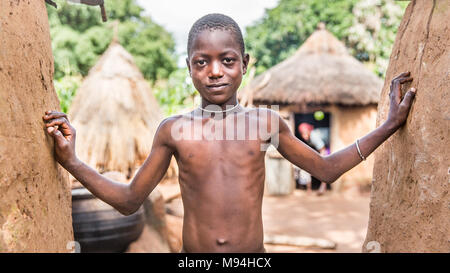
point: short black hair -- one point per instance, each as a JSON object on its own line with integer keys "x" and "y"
{"x": 215, "y": 21}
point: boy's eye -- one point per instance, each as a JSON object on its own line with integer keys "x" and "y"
{"x": 201, "y": 62}
{"x": 228, "y": 60}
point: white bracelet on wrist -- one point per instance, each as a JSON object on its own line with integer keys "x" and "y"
{"x": 359, "y": 151}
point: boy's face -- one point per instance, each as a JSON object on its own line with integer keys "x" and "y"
{"x": 216, "y": 65}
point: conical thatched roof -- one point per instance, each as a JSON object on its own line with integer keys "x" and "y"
{"x": 320, "y": 72}
{"x": 115, "y": 114}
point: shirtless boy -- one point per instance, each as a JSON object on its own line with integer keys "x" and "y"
{"x": 221, "y": 166}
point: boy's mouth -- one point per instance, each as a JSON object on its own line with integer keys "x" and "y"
{"x": 217, "y": 86}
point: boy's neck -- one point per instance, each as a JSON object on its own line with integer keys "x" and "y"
{"x": 232, "y": 102}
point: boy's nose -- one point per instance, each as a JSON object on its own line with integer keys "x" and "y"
{"x": 216, "y": 70}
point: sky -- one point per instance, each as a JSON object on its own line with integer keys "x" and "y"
{"x": 177, "y": 16}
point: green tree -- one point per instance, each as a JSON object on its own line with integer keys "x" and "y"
{"x": 176, "y": 93}
{"x": 372, "y": 34}
{"x": 79, "y": 37}
{"x": 284, "y": 28}
{"x": 66, "y": 88}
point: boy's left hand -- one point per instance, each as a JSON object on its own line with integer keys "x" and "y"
{"x": 399, "y": 108}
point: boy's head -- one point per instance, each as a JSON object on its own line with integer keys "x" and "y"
{"x": 216, "y": 21}
{"x": 216, "y": 57}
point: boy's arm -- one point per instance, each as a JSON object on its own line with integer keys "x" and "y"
{"x": 330, "y": 168}
{"x": 126, "y": 198}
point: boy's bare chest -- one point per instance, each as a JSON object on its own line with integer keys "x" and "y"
{"x": 236, "y": 140}
{"x": 209, "y": 165}
{"x": 202, "y": 151}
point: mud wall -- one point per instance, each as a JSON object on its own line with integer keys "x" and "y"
{"x": 409, "y": 209}
{"x": 35, "y": 200}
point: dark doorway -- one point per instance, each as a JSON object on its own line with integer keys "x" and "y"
{"x": 318, "y": 121}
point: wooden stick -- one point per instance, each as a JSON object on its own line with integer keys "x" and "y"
{"x": 277, "y": 239}
{"x": 50, "y": 2}
{"x": 102, "y": 9}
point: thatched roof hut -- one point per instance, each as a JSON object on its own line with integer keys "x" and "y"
{"x": 321, "y": 75}
{"x": 115, "y": 114}
{"x": 320, "y": 72}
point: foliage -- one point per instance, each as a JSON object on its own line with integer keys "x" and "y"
{"x": 372, "y": 34}
{"x": 79, "y": 38}
{"x": 367, "y": 27}
{"x": 66, "y": 88}
{"x": 176, "y": 93}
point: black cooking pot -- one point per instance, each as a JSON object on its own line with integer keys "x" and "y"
{"x": 98, "y": 227}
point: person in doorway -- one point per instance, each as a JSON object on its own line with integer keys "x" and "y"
{"x": 303, "y": 178}
{"x": 318, "y": 138}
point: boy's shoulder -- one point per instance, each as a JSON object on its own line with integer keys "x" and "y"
{"x": 262, "y": 110}
{"x": 167, "y": 123}
{"x": 263, "y": 114}
{"x": 164, "y": 133}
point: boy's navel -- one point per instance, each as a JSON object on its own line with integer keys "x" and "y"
{"x": 221, "y": 241}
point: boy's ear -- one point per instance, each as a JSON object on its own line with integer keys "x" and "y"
{"x": 245, "y": 62}
{"x": 188, "y": 65}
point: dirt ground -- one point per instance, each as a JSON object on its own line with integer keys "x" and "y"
{"x": 340, "y": 218}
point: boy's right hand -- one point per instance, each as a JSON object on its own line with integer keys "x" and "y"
{"x": 63, "y": 133}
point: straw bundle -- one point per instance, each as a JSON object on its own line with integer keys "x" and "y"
{"x": 115, "y": 114}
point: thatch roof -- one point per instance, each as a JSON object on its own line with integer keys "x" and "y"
{"x": 320, "y": 72}
{"x": 115, "y": 114}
